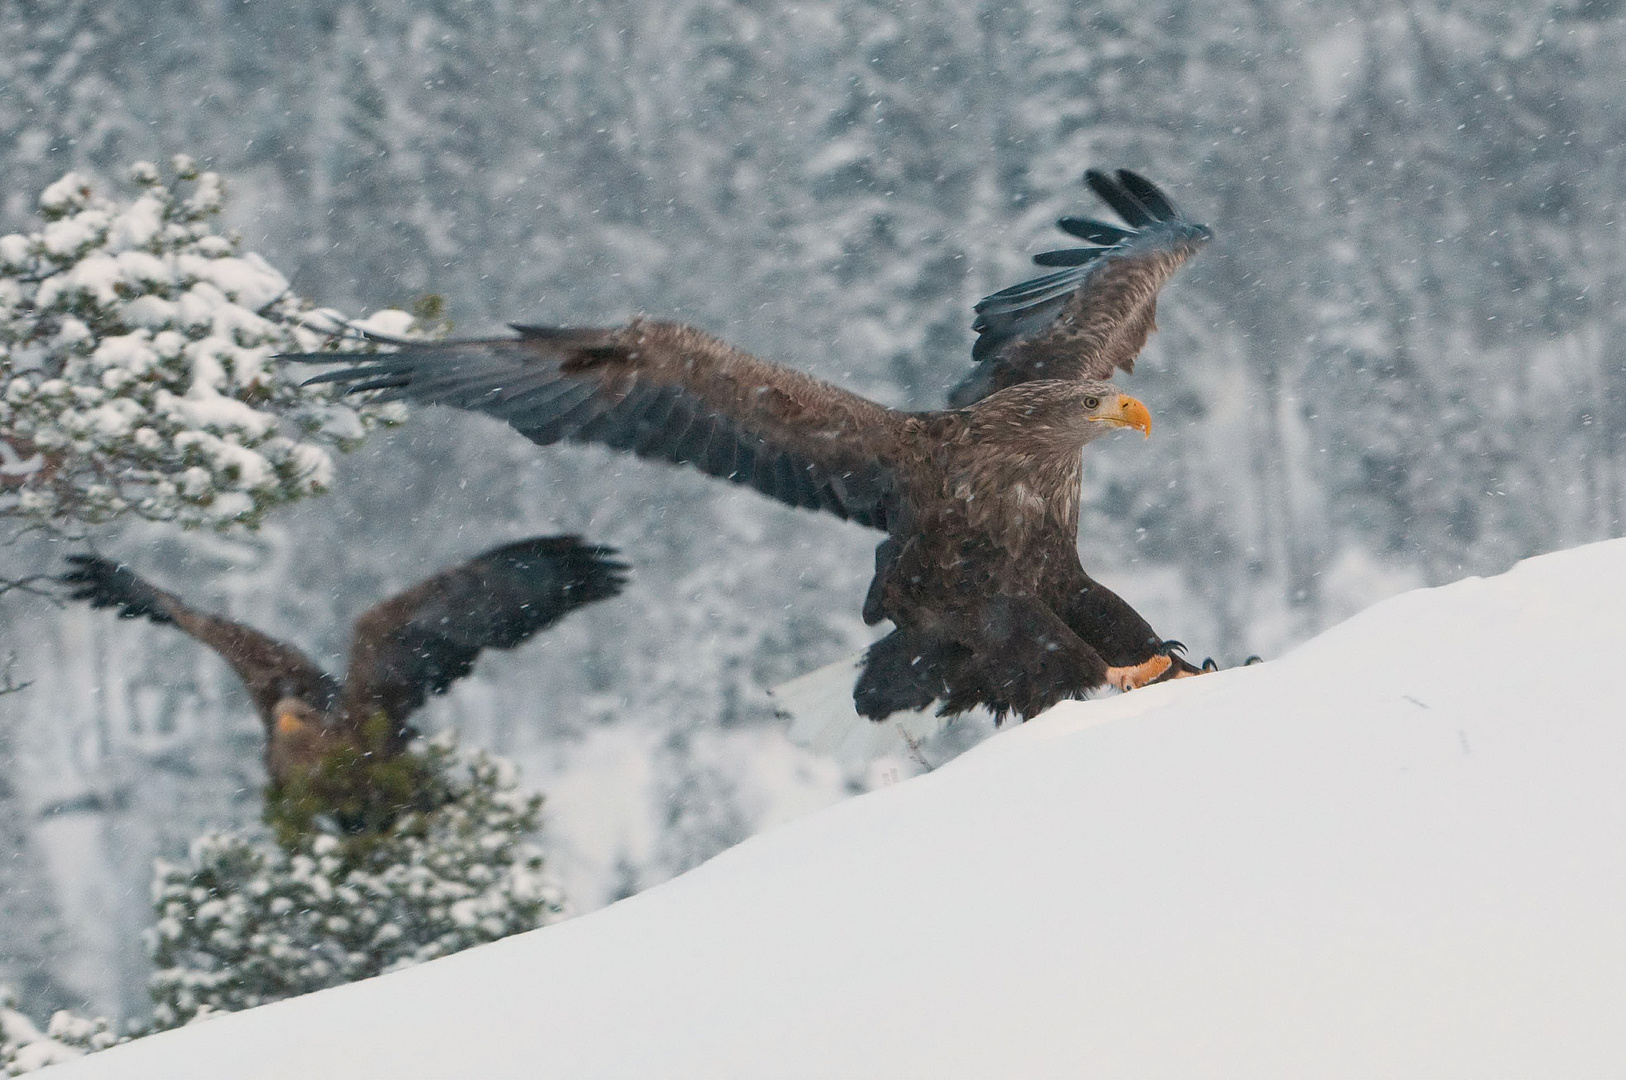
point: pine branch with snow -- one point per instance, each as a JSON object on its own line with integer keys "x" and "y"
{"x": 244, "y": 921}
{"x": 25, "y": 1048}
{"x": 135, "y": 363}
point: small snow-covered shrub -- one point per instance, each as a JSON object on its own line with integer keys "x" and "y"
{"x": 244, "y": 921}
{"x": 135, "y": 370}
{"x": 24, "y": 1047}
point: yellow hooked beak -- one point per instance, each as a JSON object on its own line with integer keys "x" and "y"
{"x": 289, "y": 724}
{"x": 1129, "y": 413}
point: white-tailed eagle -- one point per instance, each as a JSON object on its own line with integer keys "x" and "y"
{"x": 416, "y": 643}
{"x": 980, "y": 571}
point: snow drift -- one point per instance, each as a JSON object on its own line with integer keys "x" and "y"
{"x": 1397, "y": 850}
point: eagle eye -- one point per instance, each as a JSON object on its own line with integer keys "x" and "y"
{"x": 1092, "y": 402}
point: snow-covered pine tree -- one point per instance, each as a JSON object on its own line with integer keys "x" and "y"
{"x": 135, "y": 342}
{"x": 136, "y": 381}
{"x": 244, "y": 921}
{"x": 25, "y": 1048}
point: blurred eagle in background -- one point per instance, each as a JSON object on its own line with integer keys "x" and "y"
{"x": 416, "y": 643}
{"x": 979, "y": 572}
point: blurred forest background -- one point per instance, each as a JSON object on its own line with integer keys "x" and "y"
{"x": 1401, "y": 362}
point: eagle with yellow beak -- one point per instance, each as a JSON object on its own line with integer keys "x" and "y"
{"x": 979, "y": 572}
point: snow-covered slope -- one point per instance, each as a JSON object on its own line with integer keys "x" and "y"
{"x": 1396, "y": 851}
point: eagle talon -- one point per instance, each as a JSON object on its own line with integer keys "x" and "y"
{"x": 1209, "y": 665}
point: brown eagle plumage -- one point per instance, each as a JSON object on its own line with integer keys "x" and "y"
{"x": 980, "y": 571}
{"x": 414, "y": 644}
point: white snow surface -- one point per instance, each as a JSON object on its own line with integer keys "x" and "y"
{"x": 1396, "y": 851}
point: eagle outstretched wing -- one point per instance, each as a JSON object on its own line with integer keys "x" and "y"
{"x": 1093, "y": 316}
{"x": 659, "y": 390}
{"x": 421, "y": 641}
{"x": 269, "y": 669}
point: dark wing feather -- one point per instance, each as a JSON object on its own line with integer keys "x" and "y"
{"x": 1124, "y": 198}
{"x": 1158, "y": 206}
{"x": 660, "y": 390}
{"x": 103, "y": 583}
{"x": 1088, "y": 320}
{"x": 1069, "y": 256}
{"x": 269, "y": 669}
{"x": 1096, "y": 232}
{"x": 421, "y": 641}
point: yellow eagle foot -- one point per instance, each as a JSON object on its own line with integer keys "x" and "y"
{"x": 1135, "y": 676}
{"x": 1167, "y": 665}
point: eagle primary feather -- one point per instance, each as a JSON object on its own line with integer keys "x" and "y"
{"x": 1090, "y": 320}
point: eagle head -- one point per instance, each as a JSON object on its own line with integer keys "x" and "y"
{"x": 298, "y": 739}
{"x": 1058, "y": 415}
{"x": 295, "y": 717}
{"x": 1103, "y": 403}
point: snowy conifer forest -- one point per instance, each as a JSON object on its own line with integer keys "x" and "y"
{"x": 1401, "y": 361}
